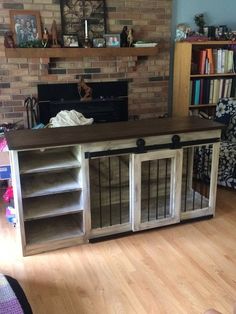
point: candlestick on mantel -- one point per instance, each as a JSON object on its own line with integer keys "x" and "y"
{"x": 87, "y": 43}
{"x": 86, "y": 28}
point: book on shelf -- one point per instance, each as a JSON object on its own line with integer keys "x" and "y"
{"x": 201, "y": 91}
{"x": 216, "y": 84}
{"x": 210, "y": 61}
{"x": 210, "y": 100}
{"x": 230, "y": 62}
{"x": 202, "y": 62}
{"x": 190, "y": 92}
{"x": 197, "y": 92}
{"x": 229, "y": 88}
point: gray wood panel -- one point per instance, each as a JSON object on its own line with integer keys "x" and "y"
{"x": 51, "y": 205}
{"x": 46, "y": 184}
{"x": 42, "y": 162}
{"x": 53, "y": 229}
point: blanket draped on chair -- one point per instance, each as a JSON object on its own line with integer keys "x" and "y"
{"x": 12, "y": 297}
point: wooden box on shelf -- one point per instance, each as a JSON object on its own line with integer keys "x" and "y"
{"x": 193, "y": 72}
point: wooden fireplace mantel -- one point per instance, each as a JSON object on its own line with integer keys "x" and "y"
{"x": 79, "y": 52}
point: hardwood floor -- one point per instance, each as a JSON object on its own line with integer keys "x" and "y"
{"x": 178, "y": 269}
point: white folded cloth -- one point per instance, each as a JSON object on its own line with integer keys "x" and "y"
{"x": 69, "y": 118}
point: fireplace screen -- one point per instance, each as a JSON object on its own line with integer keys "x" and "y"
{"x": 78, "y": 14}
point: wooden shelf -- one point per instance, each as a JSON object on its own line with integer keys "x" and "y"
{"x": 202, "y": 106}
{"x": 42, "y": 162}
{"x": 53, "y": 229}
{"x": 212, "y": 75}
{"x": 211, "y": 42}
{"x": 51, "y": 206}
{"x": 79, "y": 52}
{"x": 46, "y": 184}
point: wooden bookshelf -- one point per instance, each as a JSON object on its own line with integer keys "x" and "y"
{"x": 79, "y": 52}
{"x": 182, "y": 75}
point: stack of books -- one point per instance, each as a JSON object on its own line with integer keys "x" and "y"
{"x": 214, "y": 61}
{"x": 209, "y": 90}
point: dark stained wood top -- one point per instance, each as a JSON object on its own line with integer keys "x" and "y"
{"x": 26, "y": 139}
{"x": 79, "y": 52}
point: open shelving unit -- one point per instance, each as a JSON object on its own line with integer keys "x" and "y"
{"x": 51, "y": 189}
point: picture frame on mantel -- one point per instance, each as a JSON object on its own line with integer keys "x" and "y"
{"x": 25, "y": 25}
{"x": 70, "y": 41}
{"x": 78, "y": 14}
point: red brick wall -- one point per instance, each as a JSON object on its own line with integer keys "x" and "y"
{"x": 148, "y": 76}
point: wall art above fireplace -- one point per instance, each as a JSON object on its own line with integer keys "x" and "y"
{"x": 76, "y": 15}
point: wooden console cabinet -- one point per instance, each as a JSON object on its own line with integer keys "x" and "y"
{"x": 77, "y": 183}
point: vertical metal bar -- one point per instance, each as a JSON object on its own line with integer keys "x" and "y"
{"x": 201, "y": 192}
{"x": 100, "y": 191}
{"x": 109, "y": 184}
{"x": 120, "y": 188}
{"x": 149, "y": 183}
{"x": 203, "y": 170}
{"x": 165, "y": 187}
{"x": 157, "y": 191}
{"x": 195, "y": 166}
{"x": 201, "y": 187}
{"x": 186, "y": 182}
{"x": 196, "y": 153}
{"x": 199, "y": 180}
{"x": 208, "y": 167}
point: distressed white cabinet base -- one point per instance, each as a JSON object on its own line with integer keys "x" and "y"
{"x": 79, "y": 183}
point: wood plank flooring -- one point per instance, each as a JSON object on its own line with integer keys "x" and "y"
{"x": 178, "y": 269}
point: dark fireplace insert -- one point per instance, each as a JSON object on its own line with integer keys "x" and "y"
{"x": 109, "y": 101}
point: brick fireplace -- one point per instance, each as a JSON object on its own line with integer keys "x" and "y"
{"x": 147, "y": 76}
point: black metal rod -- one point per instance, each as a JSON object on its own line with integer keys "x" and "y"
{"x": 100, "y": 192}
{"x": 193, "y": 188}
{"x": 194, "y": 199}
{"x": 120, "y": 188}
{"x": 147, "y": 148}
{"x": 157, "y": 190}
{"x": 109, "y": 184}
{"x": 149, "y": 183}
{"x": 208, "y": 170}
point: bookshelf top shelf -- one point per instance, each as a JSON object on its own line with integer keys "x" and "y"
{"x": 208, "y": 43}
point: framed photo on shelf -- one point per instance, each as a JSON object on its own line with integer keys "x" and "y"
{"x": 112, "y": 40}
{"x": 76, "y": 15}
{"x": 25, "y": 25}
{"x": 99, "y": 42}
{"x": 70, "y": 41}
